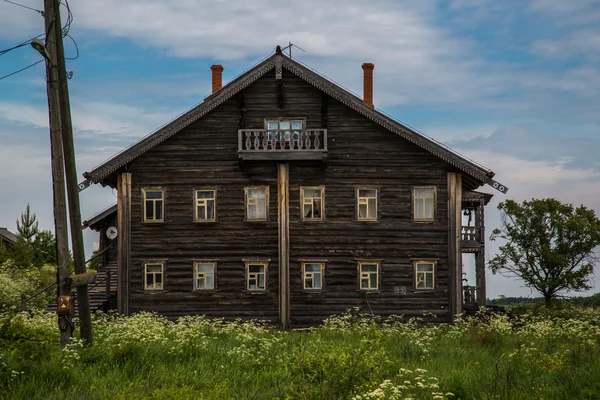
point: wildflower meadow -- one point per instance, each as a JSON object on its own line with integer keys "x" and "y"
{"x": 549, "y": 355}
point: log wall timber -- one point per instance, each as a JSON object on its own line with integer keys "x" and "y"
{"x": 124, "y": 200}
{"x": 361, "y": 153}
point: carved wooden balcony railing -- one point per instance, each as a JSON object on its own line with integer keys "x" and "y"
{"x": 471, "y": 236}
{"x": 470, "y": 296}
{"x": 263, "y": 144}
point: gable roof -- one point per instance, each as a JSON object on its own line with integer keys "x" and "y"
{"x": 277, "y": 62}
{"x": 7, "y": 236}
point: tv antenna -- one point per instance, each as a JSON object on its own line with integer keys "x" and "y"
{"x": 289, "y": 47}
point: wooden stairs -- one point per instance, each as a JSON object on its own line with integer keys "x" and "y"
{"x": 102, "y": 293}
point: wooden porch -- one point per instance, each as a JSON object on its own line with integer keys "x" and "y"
{"x": 283, "y": 145}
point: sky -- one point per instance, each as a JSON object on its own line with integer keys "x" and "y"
{"x": 513, "y": 85}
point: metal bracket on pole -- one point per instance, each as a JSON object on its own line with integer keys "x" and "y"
{"x": 84, "y": 185}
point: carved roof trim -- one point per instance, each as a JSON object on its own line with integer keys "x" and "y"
{"x": 335, "y": 91}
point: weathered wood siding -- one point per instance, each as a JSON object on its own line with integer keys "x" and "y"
{"x": 360, "y": 154}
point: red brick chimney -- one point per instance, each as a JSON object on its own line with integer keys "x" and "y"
{"x": 217, "y": 77}
{"x": 368, "y": 84}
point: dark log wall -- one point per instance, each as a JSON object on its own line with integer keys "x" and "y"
{"x": 360, "y": 154}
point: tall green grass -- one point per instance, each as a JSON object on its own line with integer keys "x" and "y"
{"x": 145, "y": 356}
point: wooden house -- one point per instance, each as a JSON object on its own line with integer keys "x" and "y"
{"x": 284, "y": 197}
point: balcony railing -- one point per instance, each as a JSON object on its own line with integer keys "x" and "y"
{"x": 471, "y": 234}
{"x": 263, "y": 144}
{"x": 471, "y": 296}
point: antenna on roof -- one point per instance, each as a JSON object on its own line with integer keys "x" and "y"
{"x": 289, "y": 47}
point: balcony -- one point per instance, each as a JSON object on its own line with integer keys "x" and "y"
{"x": 471, "y": 237}
{"x": 283, "y": 145}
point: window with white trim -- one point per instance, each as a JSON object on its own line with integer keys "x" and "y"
{"x": 288, "y": 128}
{"x": 154, "y": 204}
{"x": 366, "y": 204}
{"x": 204, "y": 275}
{"x": 256, "y": 275}
{"x": 312, "y": 275}
{"x": 368, "y": 275}
{"x": 424, "y": 203}
{"x": 153, "y": 275}
{"x": 424, "y": 275}
{"x": 257, "y": 203}
{"x": 312, "y": 203}
{"x": 206, "y": 210}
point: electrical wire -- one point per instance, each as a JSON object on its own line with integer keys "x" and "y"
{"x": 76, "y": 48}
{"x": 25, "y": 43}
{"x": 29, "y": 8}
{"x": 22, "y": 69}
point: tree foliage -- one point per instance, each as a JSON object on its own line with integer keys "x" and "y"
{"x": 549, "y": 245}
{"x": 33, "y": 246}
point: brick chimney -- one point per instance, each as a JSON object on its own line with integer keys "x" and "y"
{"x": 368, "y": 84}
{"x": 217, "y": 77}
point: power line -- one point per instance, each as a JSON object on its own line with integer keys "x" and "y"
{"x": 76, "y": 48}
{"x": 29, "y": 8}
{"x": 22, "y": 69}
{"x": 25, "y": 43}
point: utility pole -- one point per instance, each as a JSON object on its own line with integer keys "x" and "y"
{"x": 83, "y": 299}
{"x": 57, "y": 164}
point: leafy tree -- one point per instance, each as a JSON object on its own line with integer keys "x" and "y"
{"x": 549, "y": 245}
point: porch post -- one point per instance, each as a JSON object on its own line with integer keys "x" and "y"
{"x": 284, "y": 244}
{"x": 123, "y": 238}
{"x": 454, "y": 242}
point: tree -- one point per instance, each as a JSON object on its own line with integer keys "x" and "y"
{"x": 33, "y": 247}
{"x": 549, "y": 245}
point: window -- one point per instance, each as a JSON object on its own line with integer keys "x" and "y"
{"x": 153, "y": 276}
{"x": 206, "y": 205}
{"x": 312, "y": 203}
{"x": 369, "y": 272}
{"x": 257, "y": 200}
{"x": 204, "y": 275}
{"x": 313, "y": 275}
{"x": 256, "y": 276}
{"x": 424, "y": 274}
{"x": 154, "y": 205}
{"x": 366, "y": 204}
{"x": 424, "y": 203}
{"x": 286, "y": 127}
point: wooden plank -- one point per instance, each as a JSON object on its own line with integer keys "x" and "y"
{"x": 124, "y": 244}
{"x": 284, "y": 244}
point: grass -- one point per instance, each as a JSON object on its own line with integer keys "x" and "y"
{"x": 551, "y": 356}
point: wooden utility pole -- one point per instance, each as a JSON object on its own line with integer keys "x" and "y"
{"x": 57, "y": 164}
{"x": 83, "y": 299}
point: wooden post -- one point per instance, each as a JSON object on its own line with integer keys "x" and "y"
{"x": 480, "y": 257}
{"x": 57, "y": 163}
{"x": 454, "y": 242}
{"x": 23, "y": 302}
{"x": 83, "y": 299}
{"x": 124, "y": 244}
{"x": 284, "y": 244}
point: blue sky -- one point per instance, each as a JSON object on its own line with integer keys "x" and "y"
{"x": 514, "y": 85}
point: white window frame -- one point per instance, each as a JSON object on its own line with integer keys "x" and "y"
{"x": 367, "y": 274}
{"x": 253, "y": 201}
{"x": 153, "y": 201}
{"x": 364, "y": 200}
{"x": 197, "y": 274}
{"x": 255, "y": 275}
{"x": 278, "y": 121}
{"x": 202, "y": 202}
{"x": 423, "y": 199}
{"x": 153, "y": 287}
{"x": 303, "y": 199}
{"x": 424, "y": 274}
{"x": 311, "y": 274}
